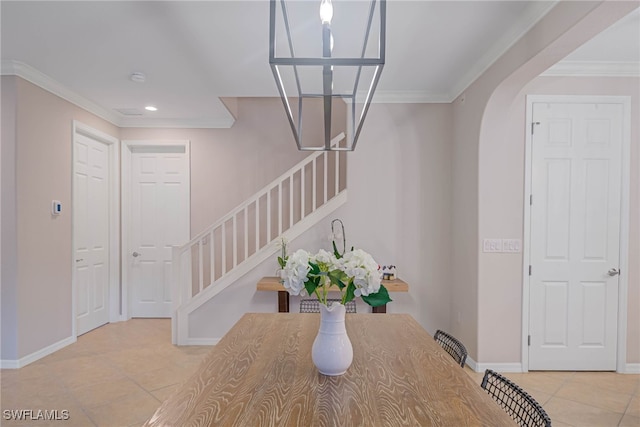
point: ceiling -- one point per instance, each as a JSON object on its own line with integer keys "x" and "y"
{"x": 194, "y": 53}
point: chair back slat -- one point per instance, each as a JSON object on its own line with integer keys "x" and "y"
{"x": 452, "y": 346}
{"x": 516, "y": 402}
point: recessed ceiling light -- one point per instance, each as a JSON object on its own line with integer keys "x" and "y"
{"x": 150, "y": 108}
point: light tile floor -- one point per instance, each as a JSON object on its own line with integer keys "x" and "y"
{"x": 117, "y": 375}
{"x": 582, "y": 399}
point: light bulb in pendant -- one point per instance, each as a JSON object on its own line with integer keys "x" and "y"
{"x": 326, "y": 11}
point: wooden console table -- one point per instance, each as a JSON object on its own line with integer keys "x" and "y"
{"x": 272, "y": 283}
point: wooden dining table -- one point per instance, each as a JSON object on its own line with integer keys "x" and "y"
{"x": 261, "y": 374}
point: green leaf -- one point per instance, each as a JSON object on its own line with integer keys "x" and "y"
{"x": 311, "y": 285}
{"x": 338, "y": 278}
{"x": 377, "y": 299}
{"x": 282, "y": 262}
{"x": 315, "y": 269}
{"x": 335, "y": 250}
{"x": 351, "y": 292}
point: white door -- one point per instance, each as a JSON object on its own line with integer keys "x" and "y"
{"x": 91, "y": 175}
{"x": 575, "y": 235}
{"x": 159, "y": 220}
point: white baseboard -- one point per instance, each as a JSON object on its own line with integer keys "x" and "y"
{"x": 36, "y": 355}
{"x": 118, "y": 318}
{"x": 202, "y": 341}
{"x": 629, "y": 368}
{"x": 472, "y": 364}
{"x": 9, "y": 364}
{"x": 498, "y": 367}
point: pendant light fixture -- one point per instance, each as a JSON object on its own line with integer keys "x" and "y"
{"x": 336, "y": 56}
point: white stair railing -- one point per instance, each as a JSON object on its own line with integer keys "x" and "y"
{"x": 240, "y": 239}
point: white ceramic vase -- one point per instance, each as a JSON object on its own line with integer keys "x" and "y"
{"x": 332, "y": 352}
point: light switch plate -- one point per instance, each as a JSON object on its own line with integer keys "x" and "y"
{"x": 511, "y": 246}
{"x": 492, "y": 245}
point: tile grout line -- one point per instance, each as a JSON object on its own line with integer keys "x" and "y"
{"x": 73, "y": 397}
{"x": 627, "y": 408}
{"x": 128, "y": 377}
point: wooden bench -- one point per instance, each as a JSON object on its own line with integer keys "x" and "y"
{"x": 272, "y": 283}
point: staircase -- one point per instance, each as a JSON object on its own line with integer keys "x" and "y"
{"x": 248, "y": 235}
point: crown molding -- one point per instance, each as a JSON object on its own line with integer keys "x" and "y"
{"x": 177, "y": 123}
{"x": 593, "y": 69}
{"x": 30, "y": 74}
{"x": 407, "y": 97}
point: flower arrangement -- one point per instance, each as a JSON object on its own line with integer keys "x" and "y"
{"x": 354, "y": 273}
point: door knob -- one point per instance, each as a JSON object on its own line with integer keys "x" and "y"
{"x": 613, "y": 272}
{"x": 136, "y": 254}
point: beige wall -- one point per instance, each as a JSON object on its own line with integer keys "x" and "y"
{"x": 467, "y": 112}
{"x": 43, "y": 173}
{"x": 399, "y": 183}
{"x": 9, "y": 242}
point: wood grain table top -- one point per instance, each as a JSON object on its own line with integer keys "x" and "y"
{"x": 261, "y": 374}
{"x": 272, "y": 283}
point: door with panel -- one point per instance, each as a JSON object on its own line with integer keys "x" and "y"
{"x": 91, "y": 181}
{"x": 159, "y": 220}
{"x": 575, "y": 235}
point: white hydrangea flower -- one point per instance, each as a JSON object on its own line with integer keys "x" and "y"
{"x": 295, "y": 272}
{"x": 364, "y": 270}
{"x": 324, "y": 259}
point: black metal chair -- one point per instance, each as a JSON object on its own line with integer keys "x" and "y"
{"x": 516, "y": 402}
{"x": 452, "y": 346}
{"x": 313, "y": 305}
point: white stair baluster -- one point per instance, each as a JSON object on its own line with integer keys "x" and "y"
{"x": 280, "y": 208}
{"x": 268, "y": 216}
{"x": 224, "y": 247}
{"x": 290, "y": 200}
{"x": 337, "y": 172}
{"x": 246, "y": 233}
{"x": 235, "y": 242}
{"x": 302, "y": 195}
{"x": 313, "y": 183}
{"x": 212, "y": 257}
{"x": 200, "y": 267}
{"x": 325, "y": 156}
{"x": 257, "y": 223}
